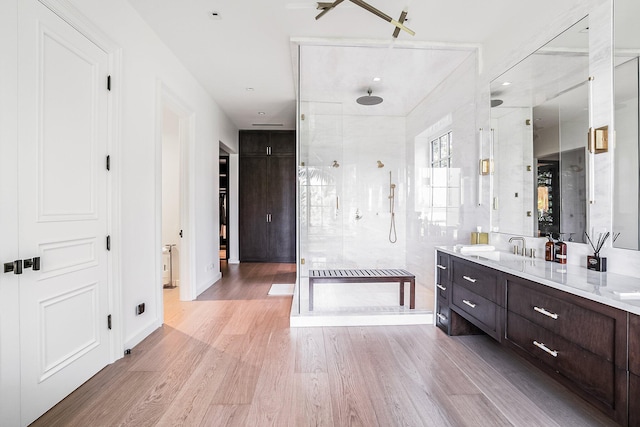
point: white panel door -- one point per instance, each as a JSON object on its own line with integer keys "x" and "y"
{"x": 63, "y": 136}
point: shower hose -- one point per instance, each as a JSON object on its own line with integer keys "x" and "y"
{"x": 393, "y": 236}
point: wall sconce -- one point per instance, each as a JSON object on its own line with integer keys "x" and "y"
{"x": 486, "y": 166}
{"x": 599, "y": 140}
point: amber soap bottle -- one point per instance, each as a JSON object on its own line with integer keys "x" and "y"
{"x": 549, "y": 253}
{"x": 560, "y": 251}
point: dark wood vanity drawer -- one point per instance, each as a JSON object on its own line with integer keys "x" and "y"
{"x": 564, "y": 316}
{"x": 479, "y": 279}
{"x": 594, "y": 375}
{"x": 634, "y": 346}
{"x": 443, "y": 282}
{"x": 442, "y": 315}
{"x": 477, "y": 309}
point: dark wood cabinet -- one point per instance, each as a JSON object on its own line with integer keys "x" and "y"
{"x": 477, "y": 295}
{"x": 579, "y": 342}
{"x": 634, "y": 370}
{"x": 591, "y": 348}
{"x": 267, "y": 196}
{"x": 443, "y": 291}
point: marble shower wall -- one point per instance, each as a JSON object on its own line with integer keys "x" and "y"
{"x": 451, "y": 107}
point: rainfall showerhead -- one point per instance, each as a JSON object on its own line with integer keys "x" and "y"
{"x": 369, "y": 99}
{"x": 496, "y": 102}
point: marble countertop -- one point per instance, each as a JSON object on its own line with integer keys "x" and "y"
{"x": 614, "y": 290}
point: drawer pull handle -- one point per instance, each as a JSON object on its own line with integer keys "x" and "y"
{"x": 442, "y": 317}
{"x": 469, "y": 303}
{"x": 554, "y": 316}
{"x": 545, "y": 348}
{"x": 441, "y": 287}
{"x": 441, "y": 267}
{"x": 470, "y": 279}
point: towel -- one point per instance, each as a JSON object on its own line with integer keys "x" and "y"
{"x": 464, "y": 249}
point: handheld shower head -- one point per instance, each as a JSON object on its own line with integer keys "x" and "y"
{"x": 380, "y": 164}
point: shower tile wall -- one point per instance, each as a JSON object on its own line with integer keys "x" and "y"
{"x": 451, "y": 107}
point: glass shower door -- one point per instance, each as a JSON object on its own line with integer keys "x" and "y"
{"x": 320, "y": 176}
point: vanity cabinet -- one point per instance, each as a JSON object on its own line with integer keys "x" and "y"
{"x": 477, "y": 295}
{"x": 634, "y": 370}
{"x": 580, "y": 342}
{"x": 590, "y": 347}
{"x": 443, "y": 291}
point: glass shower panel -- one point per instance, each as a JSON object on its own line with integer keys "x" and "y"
{"x": 320, "y": 174}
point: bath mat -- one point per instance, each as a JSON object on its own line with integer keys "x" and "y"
{"x": 281, "y": 289}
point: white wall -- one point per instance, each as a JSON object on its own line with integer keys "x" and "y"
{"x": 145, "y": 61}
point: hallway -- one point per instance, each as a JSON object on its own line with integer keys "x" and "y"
{"x": 230, "y": 358}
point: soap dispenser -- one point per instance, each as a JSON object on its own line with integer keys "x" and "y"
{"x": 549, "y": 253}
{"x": 560, "y": 250}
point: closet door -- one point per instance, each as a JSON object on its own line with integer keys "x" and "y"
{"x": 282, "y": 197}
{"x": 253, "y": 208}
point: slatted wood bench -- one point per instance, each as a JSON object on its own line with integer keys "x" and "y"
{"x": 365, "y": 276}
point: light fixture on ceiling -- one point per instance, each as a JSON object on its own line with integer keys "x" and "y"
{"x": 377, "y": 79}
{"x": 369, "y": 99}
{"x": 249, "y": 89}
{"x": 506, "y": 83}
{"x": 261, "y": 113}
{"x": 327, "y": 6}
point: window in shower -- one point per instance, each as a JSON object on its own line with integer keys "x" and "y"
{"x": 441, "y": 151}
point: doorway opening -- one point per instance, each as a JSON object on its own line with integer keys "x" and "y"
{"x": 171, "y": 180}
{"x": 224, "y": 205}
{"x": 175, "y": 266}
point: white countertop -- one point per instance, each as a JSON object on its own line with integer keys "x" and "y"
{"x": 614, "y": 290}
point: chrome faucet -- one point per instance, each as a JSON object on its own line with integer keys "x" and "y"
{"x": 515, "y": 247}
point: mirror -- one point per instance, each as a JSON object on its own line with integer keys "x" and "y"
{"x": 540, "y": 120}
{"x": 625, "y": 162}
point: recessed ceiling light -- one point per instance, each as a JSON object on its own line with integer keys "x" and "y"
{"x": 377, "y": 79}
{"x": 249, "y": 89}
{"x": 506, "y": 83}
{"x": 261, "y": 113}
{"x": 215, "y": 15}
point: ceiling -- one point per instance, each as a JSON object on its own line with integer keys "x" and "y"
{"x": 246, "y": 55}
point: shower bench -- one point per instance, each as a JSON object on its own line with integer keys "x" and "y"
{"x": 365, "y": 276}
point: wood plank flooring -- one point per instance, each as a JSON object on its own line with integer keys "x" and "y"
{"x": 230, "y": 359}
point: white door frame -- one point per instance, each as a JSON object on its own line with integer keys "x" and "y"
{"x": 186, "y": 118}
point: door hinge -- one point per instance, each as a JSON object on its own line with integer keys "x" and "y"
{"x": 109, "y": 321}
{"x": 108, "y": 163}
{"x": 109, "y": 83}
{"x": 109, "y": 243}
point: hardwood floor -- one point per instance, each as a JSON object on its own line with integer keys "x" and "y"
{"x": 230, "y": 359}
